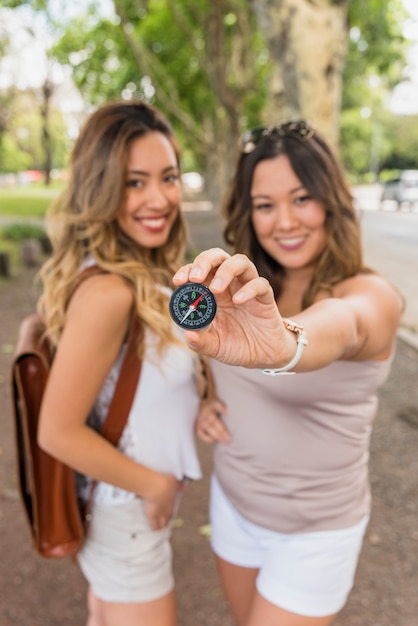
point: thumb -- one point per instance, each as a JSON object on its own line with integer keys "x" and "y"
{"x": 199, "y": 341}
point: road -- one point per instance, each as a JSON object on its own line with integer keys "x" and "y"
{"x": 390, "y": 245}
{"x": 41, "y": 592}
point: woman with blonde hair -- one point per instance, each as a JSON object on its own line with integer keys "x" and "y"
{"x": 121, "y": 213}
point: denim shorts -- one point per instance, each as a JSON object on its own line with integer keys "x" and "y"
{"x": 122, "y": 558}
{"x": 310, "y": 574}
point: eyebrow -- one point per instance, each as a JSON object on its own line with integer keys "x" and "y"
{"x": 170, "y": 168}
{"x": 295, "y": 190}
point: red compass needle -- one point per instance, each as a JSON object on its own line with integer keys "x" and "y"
{"x": 192, "y": 307}
{"x": 196, "y": 302}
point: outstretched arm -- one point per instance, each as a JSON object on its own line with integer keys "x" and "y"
{"x": 357, "y": 322}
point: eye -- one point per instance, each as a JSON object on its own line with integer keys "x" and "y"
{"x": 263, "y": 206}
{"x": 134, "y": 182}
{"x": 303, "y": 199}
{"x": 171, "y": 178}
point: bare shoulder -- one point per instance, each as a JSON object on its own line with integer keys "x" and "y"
{"x": 377, "y": 306}
{"x": 102, "y": 296}
{"x": 372, "y": 285}
{"x": 105, "y": 286}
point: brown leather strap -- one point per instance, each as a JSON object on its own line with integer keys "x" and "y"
{"x": 130, "y": 370}
{"x": 125, "y": 388}
{"x": 126, "y": 385}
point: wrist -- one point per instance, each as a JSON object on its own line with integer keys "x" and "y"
{"x": 151, "y": 483}
{"x": 301, "y": 342}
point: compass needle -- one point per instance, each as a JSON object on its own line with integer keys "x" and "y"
{"x": 193, "y": 306}
{"x": 190, "y": 309}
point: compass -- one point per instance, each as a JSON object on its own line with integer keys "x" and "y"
{"x": 192, "y": 306}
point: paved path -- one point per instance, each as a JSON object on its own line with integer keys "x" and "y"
{"x": 39, "y": 592}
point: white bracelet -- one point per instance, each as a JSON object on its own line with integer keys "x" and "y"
{"x": 301, "y": 341}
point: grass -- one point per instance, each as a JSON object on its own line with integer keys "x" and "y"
{"x": 22, "y": 204}
{"x": 26, "y": 202}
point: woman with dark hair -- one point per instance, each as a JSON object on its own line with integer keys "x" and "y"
{"x": 121, "y": 213}
{"x": 290, "y": 497}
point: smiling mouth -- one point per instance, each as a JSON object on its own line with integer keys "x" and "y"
{"x": 291, "y": 242}
{"x": 153, "y": 223}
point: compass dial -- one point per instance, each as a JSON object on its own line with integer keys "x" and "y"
{"x": 192, "y": 306}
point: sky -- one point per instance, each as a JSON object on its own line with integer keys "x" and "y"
{"x": 19, "y": 68}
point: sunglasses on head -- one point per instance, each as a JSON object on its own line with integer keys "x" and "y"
{"x": 301, "y": 129}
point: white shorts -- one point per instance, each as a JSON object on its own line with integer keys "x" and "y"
{"x": 123, "y": 559}
{"x": 309, "y": 574}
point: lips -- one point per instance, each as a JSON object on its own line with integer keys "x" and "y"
{"x": 153, "y": 223}
{"x": 291, "y": 243}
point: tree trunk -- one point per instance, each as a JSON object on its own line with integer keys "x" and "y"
{"x": 307, "y": 43}
{"x": 47, "y": 90}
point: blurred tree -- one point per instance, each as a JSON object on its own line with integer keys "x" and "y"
{"x": 375, "y": 64}
{"x": 22, "y": 143}
{"x": 402, "y": 133}
{"x": 205, "y": 66}
{"x": 307, "y": 44}
{"x": 224, "y": 65}
{"x": 216, "y": 67}
{"x": 46, "y": 91}
{"x": 4, "y": 100}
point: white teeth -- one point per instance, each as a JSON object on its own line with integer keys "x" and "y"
{"x": 291, "y": 242}
{"x": 153, "y": 222}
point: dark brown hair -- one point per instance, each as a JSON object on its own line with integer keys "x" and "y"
{"x": 319, "y": 171}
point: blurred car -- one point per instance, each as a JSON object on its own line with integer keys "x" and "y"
{"x": 403, "y": 189}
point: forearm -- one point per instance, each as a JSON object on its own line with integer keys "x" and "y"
{"x": 89, "y": 453}
{"x": 331, "y": 329}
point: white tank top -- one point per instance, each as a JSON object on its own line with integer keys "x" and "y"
{"x": 159, "y": 432}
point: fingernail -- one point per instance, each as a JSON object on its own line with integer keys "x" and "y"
{"x": 217, "y": 283}
{"x": 196, "y": 272}
{"x": 239, "y": 297}
{"x": 180, "y": 275}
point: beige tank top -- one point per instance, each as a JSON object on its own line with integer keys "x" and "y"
{"x": 298, "y": 460}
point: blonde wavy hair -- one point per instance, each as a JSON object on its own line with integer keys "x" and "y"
{"x": 320, "y": 173}
{"x": 82, "y": 221}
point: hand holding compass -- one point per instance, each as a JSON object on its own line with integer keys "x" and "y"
{"x": 247, "y": 329}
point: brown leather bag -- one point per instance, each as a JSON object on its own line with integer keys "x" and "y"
{"x": 47, "y": 486}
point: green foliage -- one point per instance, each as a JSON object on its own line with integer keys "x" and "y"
{"x": 95, "y": 50}
{"x": 391, "y": 141}
{"x": 377, "y": 45}
{"x": 26, "y": 202}
{"x": 205, "y": 65}
{"x": 402, "y": 135}
{"x": 18, "y": 232}
{"x": 21, "y": 142}
{"x": 38, "y": 5}
{"x": 12, "y": 235}
{"x": 355, "y": 148}
{"x": 165, "y": 53}
{"x": 13, "y": 159}
{"x": 375, "y": 62}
